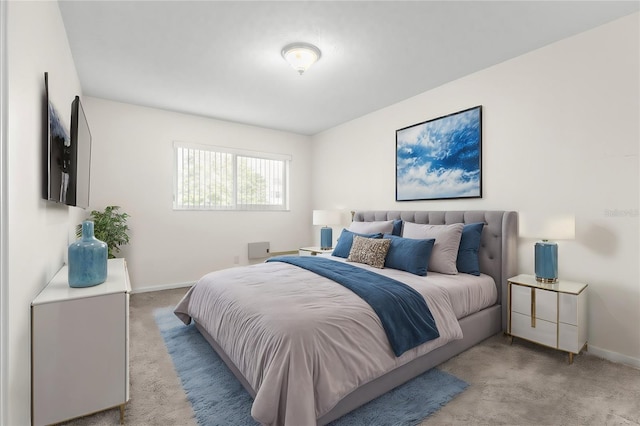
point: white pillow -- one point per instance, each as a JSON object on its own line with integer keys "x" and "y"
{"x": 445, "y": 250}
{"x": 383, "y": 227}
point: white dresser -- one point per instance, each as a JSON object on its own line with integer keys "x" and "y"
{"x": 553, "y": 315}
{"x": 80, "y": 347}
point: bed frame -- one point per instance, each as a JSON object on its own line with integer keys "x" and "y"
{"x": 497, "y": 258}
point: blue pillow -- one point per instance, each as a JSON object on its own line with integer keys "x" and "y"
{"x": 343, "y": 246}
{"x": 467, "y": 261}
{"x": 408, "y": 254}
{"x": 397, "y": 228}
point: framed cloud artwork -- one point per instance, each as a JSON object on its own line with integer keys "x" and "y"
{"x": 440, "y": 158}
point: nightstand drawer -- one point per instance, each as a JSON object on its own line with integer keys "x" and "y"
{"x": 569, "y": 308}
{"x": 545, "y": 301}
{"x": 544, "y": 332}
{"x": 569, "y": 339}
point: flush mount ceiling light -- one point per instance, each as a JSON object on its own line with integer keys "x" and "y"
{"x": 300, "y": 55}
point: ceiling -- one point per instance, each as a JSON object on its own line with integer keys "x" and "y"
{"x": 222, "y": 59}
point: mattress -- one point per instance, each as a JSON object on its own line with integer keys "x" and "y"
{"x": 468, "y": 293}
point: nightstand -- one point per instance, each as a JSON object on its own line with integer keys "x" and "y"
{"x": 313, "y": 251}
{"x": 553, "y": 315}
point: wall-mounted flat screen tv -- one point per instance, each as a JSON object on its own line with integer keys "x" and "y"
{"x": 66, "y": 155}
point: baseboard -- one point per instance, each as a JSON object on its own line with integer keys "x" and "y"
{"x": 614, "y": 356}
{"x": 163, "y": 287}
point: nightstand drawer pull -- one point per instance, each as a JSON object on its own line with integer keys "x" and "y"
{"x": 533, "y": 307}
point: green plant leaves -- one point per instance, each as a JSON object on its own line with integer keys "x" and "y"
{"x": 111, "y": 227}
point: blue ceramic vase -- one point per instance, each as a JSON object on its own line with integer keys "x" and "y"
{"x": 87, "y": 259}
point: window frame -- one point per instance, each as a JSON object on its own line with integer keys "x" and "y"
{"x": 235, "y": 153}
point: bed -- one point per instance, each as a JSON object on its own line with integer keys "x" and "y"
{"x": 309, "y": 350}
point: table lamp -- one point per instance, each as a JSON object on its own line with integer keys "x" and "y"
{"x": 326, "y": 218}
{"x": 547, "y": 227}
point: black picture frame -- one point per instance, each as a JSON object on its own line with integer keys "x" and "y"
{"x": 441, "y": 158}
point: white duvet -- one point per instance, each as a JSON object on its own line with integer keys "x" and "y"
{"x": 302, "y": 341}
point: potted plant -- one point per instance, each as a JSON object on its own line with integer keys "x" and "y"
{"x": 109, "y": 226}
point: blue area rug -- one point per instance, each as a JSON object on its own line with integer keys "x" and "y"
{"x": 218, "y": 398}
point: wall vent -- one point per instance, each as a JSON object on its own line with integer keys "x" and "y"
{"x": 259, "y": 250}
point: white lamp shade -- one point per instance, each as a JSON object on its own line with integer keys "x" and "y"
{"x": 326, "y": 217}
{"x": 548, "y": 226}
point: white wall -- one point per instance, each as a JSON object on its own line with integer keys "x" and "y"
{"x": 38, "y": 232}
{"x": 560, "y": 131}
{"x": 132, "y": 166}
{"x": 3, "y": 213}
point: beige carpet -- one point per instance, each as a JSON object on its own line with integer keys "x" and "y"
{"x": 517, "y": 384}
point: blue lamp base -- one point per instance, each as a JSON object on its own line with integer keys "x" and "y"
{"x": 546, "y": 260}
{"x": 326, "y": 238}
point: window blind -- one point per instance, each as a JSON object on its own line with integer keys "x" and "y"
{"x": 219, "y": 178}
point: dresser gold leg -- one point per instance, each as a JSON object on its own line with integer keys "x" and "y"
{"x": 122, "y": 414}
{"x": 570, "y": 358}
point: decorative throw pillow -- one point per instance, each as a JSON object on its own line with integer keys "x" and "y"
{"x": 445, "y": 249}
{"x": 468, "y": 261}
{"x": 383, "y": 227}
{"x": 343, "y": 246}
{"x": 371, "y": 251}
{"x": 408, "y": 254}
{"x": 397, "y": 228}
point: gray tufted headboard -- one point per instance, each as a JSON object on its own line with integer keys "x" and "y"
{"x": 498, "y": 255}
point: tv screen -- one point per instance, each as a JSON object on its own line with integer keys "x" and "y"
{"x": 81, "y": 141}
{"x": 66, "y": 155}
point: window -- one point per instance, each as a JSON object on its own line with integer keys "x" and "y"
{"x": 220, "y": 178}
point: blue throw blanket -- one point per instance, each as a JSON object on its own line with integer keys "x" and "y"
{"x": 404, "y": 314}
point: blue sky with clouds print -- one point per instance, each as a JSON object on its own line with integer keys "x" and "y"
{"x": 440, "y": 158}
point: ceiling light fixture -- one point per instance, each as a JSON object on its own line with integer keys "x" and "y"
{"x": 300, "y": 55}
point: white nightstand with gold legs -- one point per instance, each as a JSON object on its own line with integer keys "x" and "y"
{"x": 553, "y": 315}
{"x": 313, "y": 251}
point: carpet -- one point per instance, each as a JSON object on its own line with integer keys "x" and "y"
{"x": 218, "y": 398}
